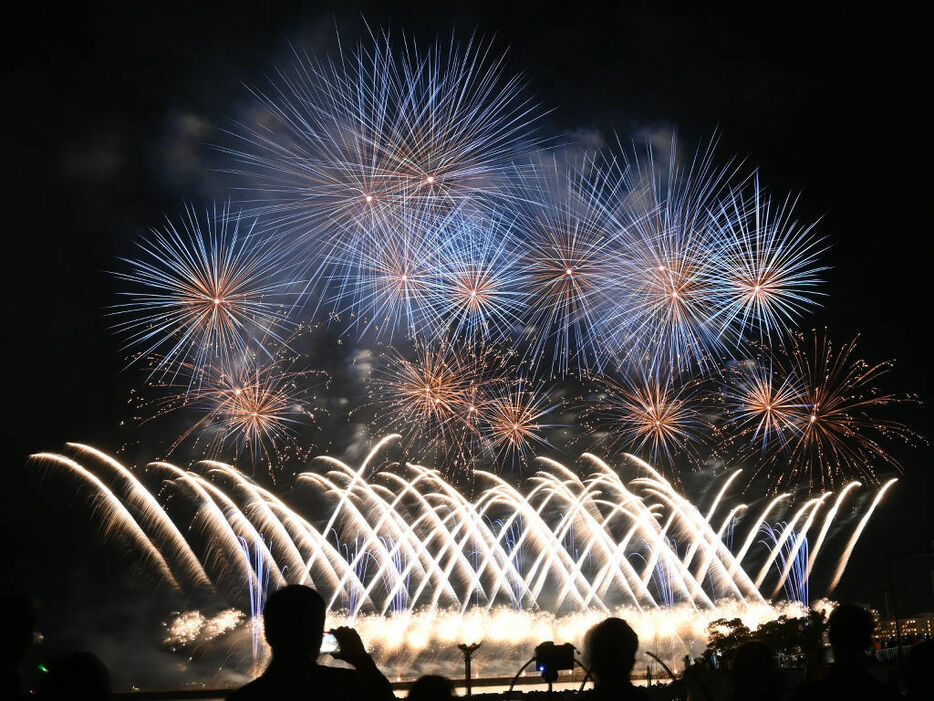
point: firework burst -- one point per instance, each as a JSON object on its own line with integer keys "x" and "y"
{"x": 514, "y": 421}
{"x": 479, "y": 290}
{"x": 768, "y": 270}
{"x": 571, "y": 256}
{"x": 387, "y": 283}
{"x": 431, "y": 398}
{"x": 830, "y": 432}
{"x": 670, "y": 251}
{"x": 204, "y": 290}
{"x": 646, "y": 413}
{"x": 337, "y": 139}
{"x": 254, "y": 407}
{"x": 762, "y": 406}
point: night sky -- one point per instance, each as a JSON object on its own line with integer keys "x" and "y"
{"x": 108, "y": 111}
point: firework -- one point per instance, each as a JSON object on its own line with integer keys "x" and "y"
{"x": 434, "y": 396}
{"x": 255, "y": 406}
{"x": 827, "y": 425}
{"x": 768, "y": 270}
{"x": 338, "y": 139}
{"x": 204, "y": 290}
{"x": 479, "y": 291}
{"x": 388, "y": 281}
{"x": 646, "y": 413}
{"x": 572, "y": 258}
{"x": 513, "y": 419}
{"x": 421, "y": 556}
{"x": 762, "y": 406}
{"x": 670, "y": 252}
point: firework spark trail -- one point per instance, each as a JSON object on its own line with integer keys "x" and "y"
{"x": 153, "y": 515}
{"x": 262, "y": 514}
{"x": 204, "y": 290}
{"x": 512, "y": 419}
{"x": 810, "y": 507}
{"x": 828, "y": 520}
{"x": 385, "y": 280}
{"x": 212, "y": 516}
{"x": 434, "y": 550}
{"x": 117, "y": 515}
{"x": 436, "y": 396}
{"x": 762, "y": 403}
{"x": 845, "y": 558}
{"x": 791, "y": 559}
{"x": 755, "y": 530}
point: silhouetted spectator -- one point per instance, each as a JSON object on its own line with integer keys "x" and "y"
{"x": 80, "y": 675}
{"x": 17, "y": 628}
{"x": 610, "y": 649}
{"x": 919, "y": 672}
{"x": 850, "y": 637}
{"x": 294, "y": 625}
{"x": 755, "y": 674}
{"x": 431, "y": 688}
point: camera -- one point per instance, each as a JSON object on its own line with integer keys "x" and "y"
{"x": 549, "y": 658}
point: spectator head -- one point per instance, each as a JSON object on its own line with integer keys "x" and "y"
{"x": 80, "y": 675}
{"x": 293, "y": 621}
{"x": 610, "y": 648}
{"x": 431, "y": 688}
{"x": 755, "y": 674}
{"x": 850, "y": 629}
{"x": 17, "y": 626}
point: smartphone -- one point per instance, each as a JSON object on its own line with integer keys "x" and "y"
{"x": 329, "y": 644}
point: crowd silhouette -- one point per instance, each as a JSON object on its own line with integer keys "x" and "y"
{"x": 294, "y": 626}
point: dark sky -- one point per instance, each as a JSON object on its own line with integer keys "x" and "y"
{"x": 107, "y": 107}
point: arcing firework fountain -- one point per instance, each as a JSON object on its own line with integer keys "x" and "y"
{"x": 419, "y": 566}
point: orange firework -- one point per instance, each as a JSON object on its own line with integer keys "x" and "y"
{"x": 648, "y": 414}
{"x": 819, "y": 403}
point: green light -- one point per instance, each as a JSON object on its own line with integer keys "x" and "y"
{"x": 43, "y": 669}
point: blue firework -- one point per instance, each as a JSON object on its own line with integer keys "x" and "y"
{"x": 203, "y": 290}
{"x": 337, "y": 140}
{"x": 572, "y": 258}
{"x": 478, "y": 293}
{"x": 768, "y": 270}
{"x": 670, "y": 253}
{"x": 388, "y": 281}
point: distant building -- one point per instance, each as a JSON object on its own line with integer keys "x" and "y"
{"x": 913, "y": 628}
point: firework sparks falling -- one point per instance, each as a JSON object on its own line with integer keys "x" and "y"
{"x": 204, "y": 290}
